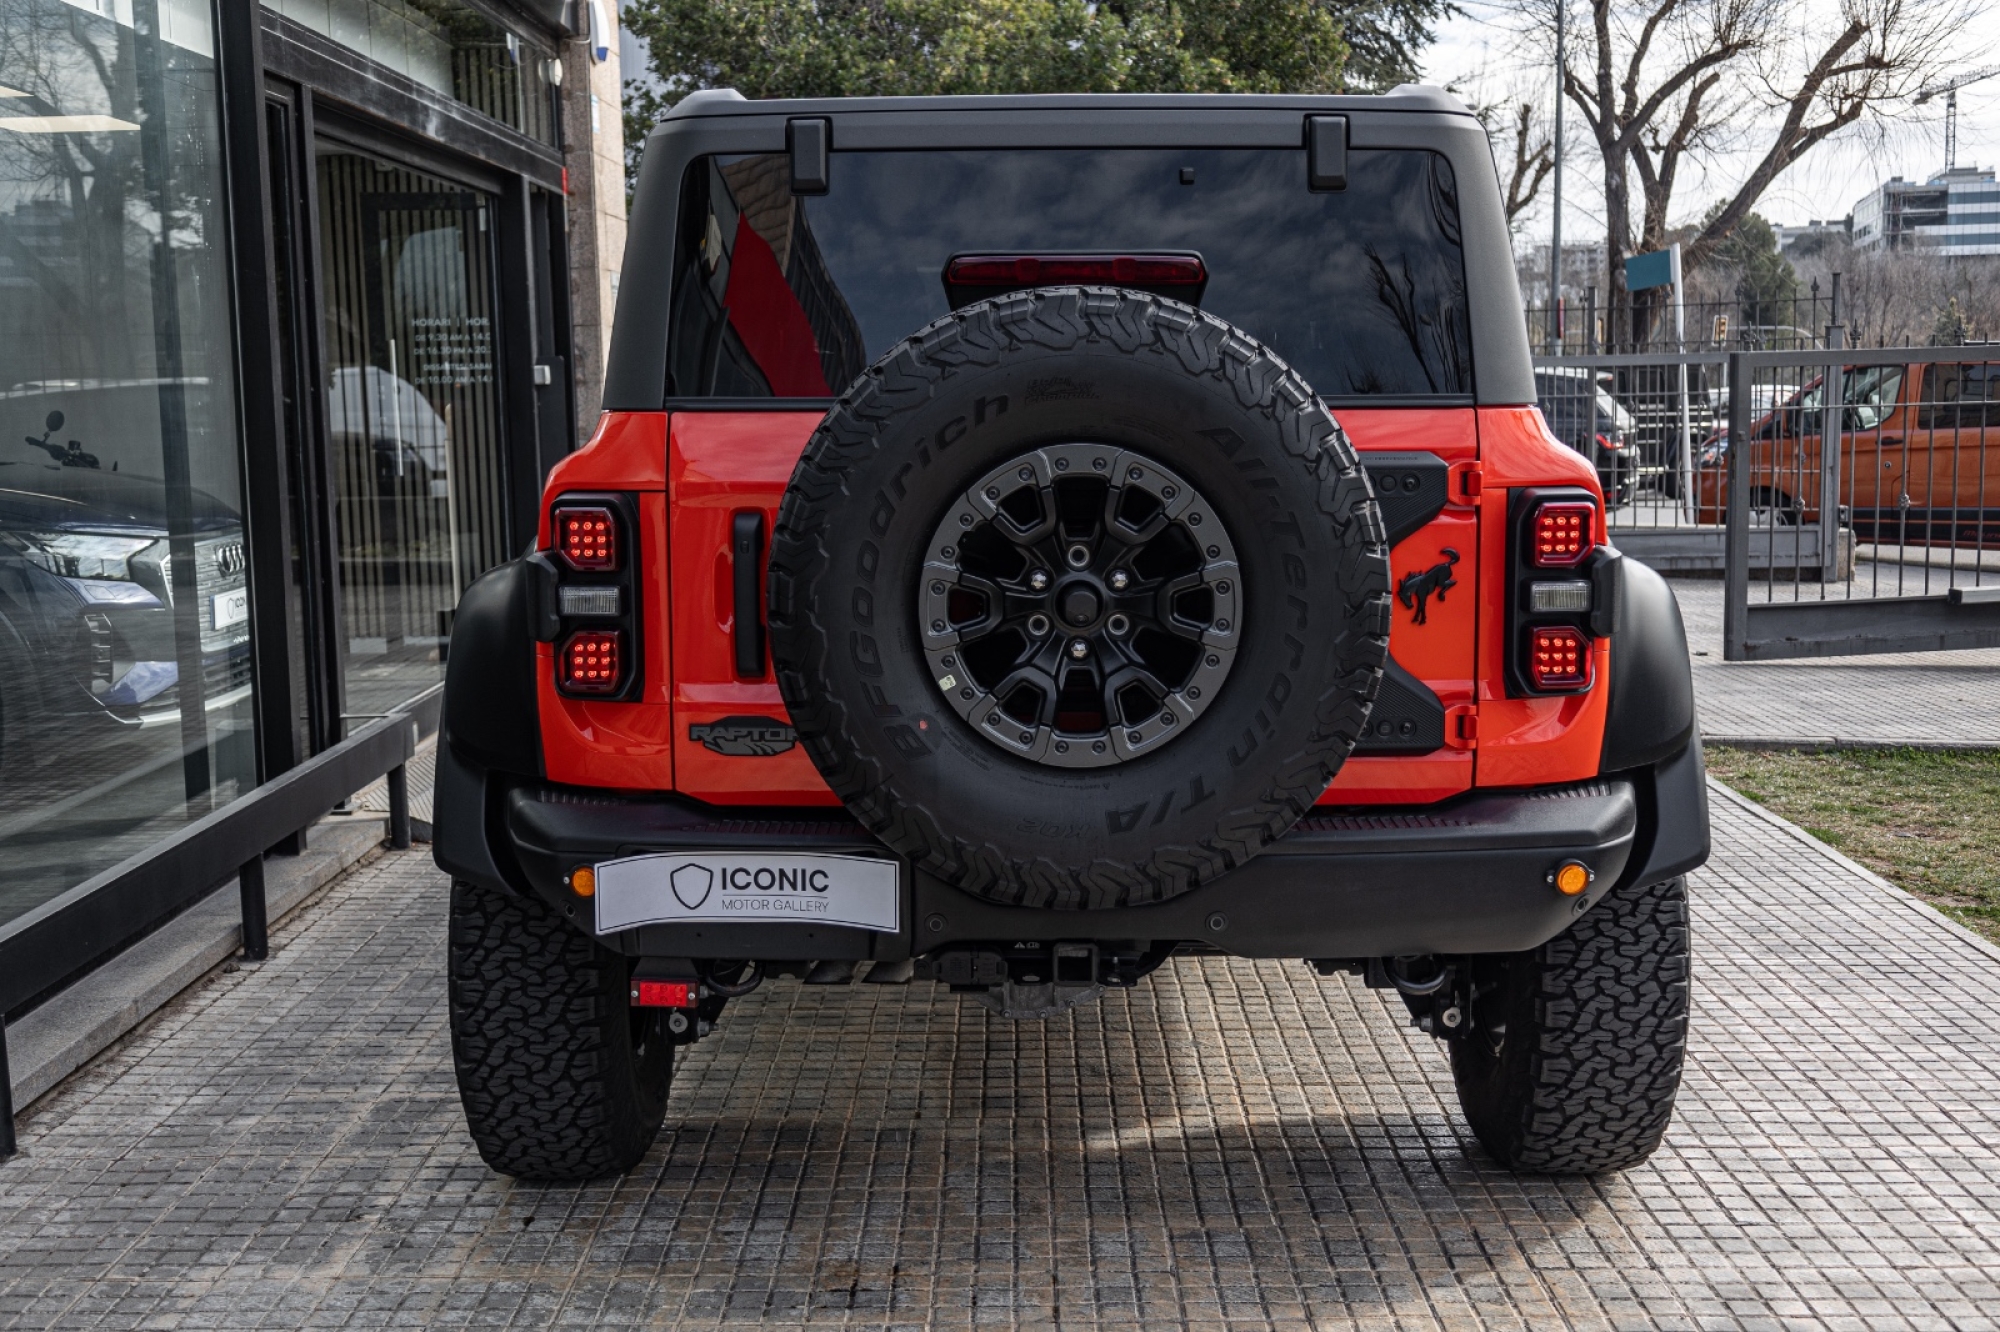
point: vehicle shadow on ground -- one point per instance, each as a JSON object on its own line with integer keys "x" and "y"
{"x": 863, "y": 1152}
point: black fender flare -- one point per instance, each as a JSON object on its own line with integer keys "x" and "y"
{"x": 1651, "y": 712}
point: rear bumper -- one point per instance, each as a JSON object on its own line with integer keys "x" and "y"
{"x": 1470, "y": 876}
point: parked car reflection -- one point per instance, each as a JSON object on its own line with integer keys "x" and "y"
{"x": 87, "y": 601}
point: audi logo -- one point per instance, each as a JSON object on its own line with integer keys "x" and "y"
{"x": 230, "y": 559}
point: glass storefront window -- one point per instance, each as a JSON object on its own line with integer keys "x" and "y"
{"x": 447, "y": 47}
{"x": 413, "y": 415}
{"x": 124, "y": 612}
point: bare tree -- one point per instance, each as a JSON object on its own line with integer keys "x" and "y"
{"x": 1666, "y": 84}
{"x": 1519, "y": 131}
{"x": 1534, "y": 158}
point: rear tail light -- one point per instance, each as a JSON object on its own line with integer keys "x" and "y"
{"x": 1558, "y": 658}
{"x": 592, "y": 662}
{"x": 1561, "y": 534}
{"x": 1045, "y": 270}
{"x": 587, "y": 538}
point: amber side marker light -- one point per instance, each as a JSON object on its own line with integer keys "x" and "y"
{"x": 1571, "y": 877}
{"x": 583, "y": 881}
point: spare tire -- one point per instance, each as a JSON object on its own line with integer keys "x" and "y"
{"x": 1078, "y": 598}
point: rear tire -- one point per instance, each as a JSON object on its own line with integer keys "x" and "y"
{"x": 561, "y": 1078}
{"x": 1577, "y": 1046}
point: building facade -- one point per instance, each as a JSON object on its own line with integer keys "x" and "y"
{"x": 298, "y": 303}
{"x": 1955, "y": 212}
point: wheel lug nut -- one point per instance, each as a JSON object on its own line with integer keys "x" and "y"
{"x": 1079, "y": 649}
{"x": 1119, "y": 580}
{"x": 1039, "y": 580}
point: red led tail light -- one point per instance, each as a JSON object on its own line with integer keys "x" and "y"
{"x": 1562, "y": 534}
{"x": 587, "y": 537}
{"x": 592, "y": 662}
{"x": 1048, "y": 270}
{"x": 662, "y": 994}
{"x": 1558, "y": 658}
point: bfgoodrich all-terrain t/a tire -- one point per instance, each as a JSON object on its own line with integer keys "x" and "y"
{"x": 1168, "y": 696}
{"x": 561, "y": 1078}
{"x": 1576, "y": 1051}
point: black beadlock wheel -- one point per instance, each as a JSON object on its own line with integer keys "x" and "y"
{"x": 1576, "y": 1051}
{"x": 561, "y": 1078}
{"x": 1079, "y": 598}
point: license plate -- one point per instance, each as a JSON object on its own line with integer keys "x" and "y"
{"x": 748, "y": 887}
{"x": 230, "y": 608}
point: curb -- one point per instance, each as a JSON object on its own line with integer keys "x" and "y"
{"x": 77, "y": 1024}
{"x": 1817, "y": 744}
{"x": 1901, "y": 896}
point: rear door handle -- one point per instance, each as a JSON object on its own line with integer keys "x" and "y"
{"x": 1889, "y": 441}
{"x": 746, "y": 549}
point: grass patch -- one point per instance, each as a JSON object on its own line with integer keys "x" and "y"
{"x": 1926, "y": 821}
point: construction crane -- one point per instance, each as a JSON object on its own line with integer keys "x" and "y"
{"x": 1949, "y": 87}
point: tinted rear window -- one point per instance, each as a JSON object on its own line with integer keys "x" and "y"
{"x": 1362, "y": 290}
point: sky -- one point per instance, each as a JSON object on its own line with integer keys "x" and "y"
{"x": 1824, "y": 184}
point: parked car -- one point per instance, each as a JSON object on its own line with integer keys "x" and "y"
{"x": 87, "y": 597}
{"x": 1580, "y": 411}
{"x": 1919, "y": 455}
{"x": 1057, "y": 543}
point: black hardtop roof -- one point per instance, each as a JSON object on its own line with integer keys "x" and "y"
{"x": 1408, "y": 98}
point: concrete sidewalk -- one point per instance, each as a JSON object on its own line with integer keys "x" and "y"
{"x": 1908, "y": 698}
{"x": 1232, "y": 1144}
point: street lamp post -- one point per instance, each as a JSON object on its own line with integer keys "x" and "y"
{"x": 1556, "y": 227}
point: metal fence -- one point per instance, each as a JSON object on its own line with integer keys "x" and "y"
{"x": 1886, "y": 539}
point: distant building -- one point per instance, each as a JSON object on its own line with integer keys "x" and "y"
{"x": 1815, "y": 230}
{"x": 1583, "y": 269}
{"x": 1955, "y": 212}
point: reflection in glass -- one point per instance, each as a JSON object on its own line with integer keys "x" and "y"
{"x": 1362, "y": 290}
{"x": 124, "y": 612}
{"x": 412, "y": 413}
{"x": 447, "y": 47}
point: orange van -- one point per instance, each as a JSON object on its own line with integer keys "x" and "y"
{"x": 1919, "y": 455}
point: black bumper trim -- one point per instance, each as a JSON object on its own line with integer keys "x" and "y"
{"x": 1469, "y": 877}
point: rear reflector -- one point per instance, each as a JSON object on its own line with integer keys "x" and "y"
{"x": 592, "y": 662}
{"x": 1050, "y": 270}
{"x": 662, "y": 994}
{"x": 1562, "y": 534}
{"x": 587, "y": 538}
{"x": 1558, "y": 658}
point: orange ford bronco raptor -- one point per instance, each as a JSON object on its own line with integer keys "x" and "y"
{"x": 1028, "y": 537}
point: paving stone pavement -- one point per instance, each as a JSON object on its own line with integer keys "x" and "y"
{"x": 1233, "y": 1144}
{"x": 1913, "y": 697}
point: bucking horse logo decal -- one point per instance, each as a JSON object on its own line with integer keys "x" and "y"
{"x": 1416, "y": 588}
